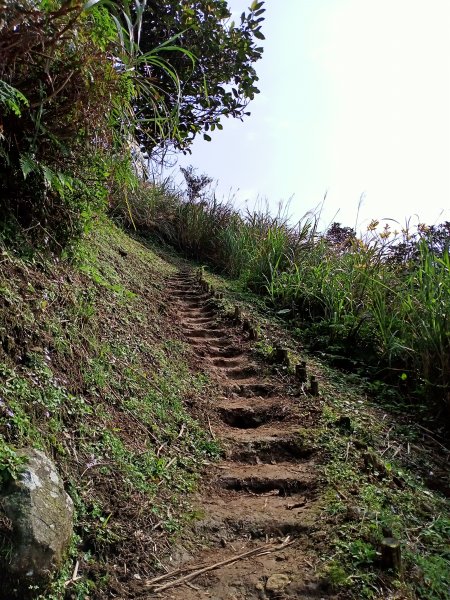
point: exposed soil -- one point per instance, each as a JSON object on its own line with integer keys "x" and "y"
{"x": 264, "y": 492}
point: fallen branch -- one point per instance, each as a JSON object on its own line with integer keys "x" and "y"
{"x": 255, "y": 552}
{"x": 152, "y": 582}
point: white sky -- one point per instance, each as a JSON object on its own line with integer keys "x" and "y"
{"x": 355, "y": 99}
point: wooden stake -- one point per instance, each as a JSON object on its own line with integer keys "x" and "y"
{"x": 314, "y": 386}
{"x": 253, "y": 332}
{"x": 391, "y": 557}
{"x": 281, "y": 356}
{"x": 300, "y": 372}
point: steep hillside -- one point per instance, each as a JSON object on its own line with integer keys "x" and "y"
{"x": 94, "y": 373}
{"x": 200, "y": 460}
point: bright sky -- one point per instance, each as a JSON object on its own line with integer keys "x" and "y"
{"x": 355, "y": 100}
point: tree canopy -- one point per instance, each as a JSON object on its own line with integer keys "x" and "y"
{"x": 222, "y": 80}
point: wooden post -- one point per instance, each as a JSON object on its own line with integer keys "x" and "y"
{"x": 253, "y": 332}
{"x": 300, "y": 372}
{"x": 246, "y": 325}
{"x": 391, "y": 557}
{"x": 314, "y": 386}
{"x": 237, "y": 313}
{"x": 281, "y": 356}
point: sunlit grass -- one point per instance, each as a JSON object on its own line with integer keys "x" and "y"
{"x": 383, "y": 297}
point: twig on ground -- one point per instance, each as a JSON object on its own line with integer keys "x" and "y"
{"x": 181, "y": 580}
{"x": 347, "y": 451}
{"x": 75, "y": 577}
{"x": 192, "y": 586}
{"x": 428, "y": 432}
{"x": 341, "y": 494}
{"x": 172, "y": 574}
{"x": 210, "y": 429}
{"x": 180, "y": 435}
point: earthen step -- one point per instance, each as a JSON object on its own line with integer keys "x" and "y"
{"x": 269, "y": 449}
{"x": 259, "y": 516}
{"x": 283, "y": 479}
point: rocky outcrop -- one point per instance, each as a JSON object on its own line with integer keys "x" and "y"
{"x": 41, "y": 517}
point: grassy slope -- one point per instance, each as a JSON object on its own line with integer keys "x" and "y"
{"x": 383, "y": 475}
{"x": 92, "y": 370}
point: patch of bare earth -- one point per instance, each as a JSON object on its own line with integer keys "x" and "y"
{"x": 260, "y": 506}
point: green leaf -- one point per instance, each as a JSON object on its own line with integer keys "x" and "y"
{"x": 206, "y": 137}
{"x": 12, "y": 98}
{"x": 256, "y": 5}
{"x": 50, "y": 177}
{"x": 258, "y": 35}
{"x": 28, "y": 165}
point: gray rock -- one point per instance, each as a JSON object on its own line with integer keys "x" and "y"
{"x": 41, "y": 513}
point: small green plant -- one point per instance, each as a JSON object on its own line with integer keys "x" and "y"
{"x": 361, "y": 553}
{"x": 12, "y": 99}
{"x": 11, "y": 465}
{"x": 433, "y": 578}
{"x": 335, "y": 575}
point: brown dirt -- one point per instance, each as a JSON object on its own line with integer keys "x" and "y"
{"x": 265, "y": 488}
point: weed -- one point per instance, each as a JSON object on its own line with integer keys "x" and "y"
{"x": 432, "y": 576}
{"x": 11, "y": 465}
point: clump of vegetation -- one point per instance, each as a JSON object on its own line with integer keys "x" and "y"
{"x": 11, "y": 463}
{"x": 376, "y": 492}
{"x": 56, "y": 80}
{"x": 86, "y": 89}
{"x": 377, "y": 303}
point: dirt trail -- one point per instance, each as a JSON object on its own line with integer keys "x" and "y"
{"x": 264, "y": 492}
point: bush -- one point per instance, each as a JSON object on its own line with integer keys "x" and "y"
{"x": 56, "y": 80}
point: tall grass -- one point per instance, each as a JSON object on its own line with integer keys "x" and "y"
{"x": 382, "y": 299}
